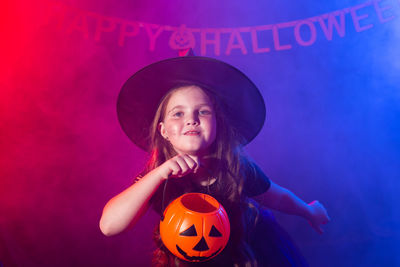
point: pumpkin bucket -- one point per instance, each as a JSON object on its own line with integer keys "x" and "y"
{"x": 195, "y": 227}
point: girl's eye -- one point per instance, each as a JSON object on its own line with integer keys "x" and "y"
{"x": 205, "y": 112}
{"x": 178, "y": 114}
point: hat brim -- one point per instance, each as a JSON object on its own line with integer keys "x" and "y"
{"x": 141, "y": 94}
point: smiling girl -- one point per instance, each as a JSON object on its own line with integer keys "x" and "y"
{"x": 194, "y": 115}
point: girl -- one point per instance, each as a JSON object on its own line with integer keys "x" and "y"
{"x": 194, "y": 114}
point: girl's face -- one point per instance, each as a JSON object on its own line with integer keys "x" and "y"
{"x": 189, "y": 122}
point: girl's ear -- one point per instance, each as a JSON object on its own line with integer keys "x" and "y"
{"x": 161, "y": 129}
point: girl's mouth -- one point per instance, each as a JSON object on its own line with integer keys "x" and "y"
{"x": 192, "y": 133}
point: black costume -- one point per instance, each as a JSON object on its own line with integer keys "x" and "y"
{"x": 269, "y": 242}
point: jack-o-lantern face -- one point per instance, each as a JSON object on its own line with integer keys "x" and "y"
{"x": 182, "y": 38}
{"x": 195, "y": 227}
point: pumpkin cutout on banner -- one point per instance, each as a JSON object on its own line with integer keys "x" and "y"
{"x": 195, "y": 227}
{"x": 182, "y": 38}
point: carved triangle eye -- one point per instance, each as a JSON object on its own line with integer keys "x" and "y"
{"x": 191, "y": 231}
{"x": 214, "y": 232}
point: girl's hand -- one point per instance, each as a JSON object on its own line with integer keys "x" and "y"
{"x": 318, "y": 216}
{"x": 178, "y": 166}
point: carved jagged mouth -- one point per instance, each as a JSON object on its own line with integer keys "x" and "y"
{"x": 195, "y": 258}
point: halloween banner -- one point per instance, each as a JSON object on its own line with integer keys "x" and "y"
{"x": 217, "y": 41}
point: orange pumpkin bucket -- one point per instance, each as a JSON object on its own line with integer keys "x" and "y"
{"x": 195, "y": 227}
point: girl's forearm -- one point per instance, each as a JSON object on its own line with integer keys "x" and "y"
{"x": 127, "y": 207}
{"x": 283, "y": 200}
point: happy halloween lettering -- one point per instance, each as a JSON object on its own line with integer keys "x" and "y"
{"x": 256, "y": 39}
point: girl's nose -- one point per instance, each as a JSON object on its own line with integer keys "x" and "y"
{"x": 192, "y": 120}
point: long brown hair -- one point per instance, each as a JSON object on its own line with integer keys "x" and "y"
{"x": 228, "y": 167}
